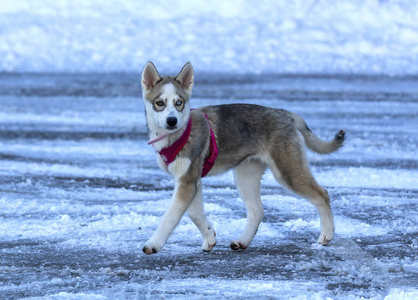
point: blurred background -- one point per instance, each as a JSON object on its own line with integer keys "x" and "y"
{"x": 241, "y": 36}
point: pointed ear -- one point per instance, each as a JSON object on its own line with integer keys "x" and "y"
{"x": 186, "y": 77}
{"x": 149, "y": 76}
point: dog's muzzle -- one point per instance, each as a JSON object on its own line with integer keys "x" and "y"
{"x": 171, "y": 122}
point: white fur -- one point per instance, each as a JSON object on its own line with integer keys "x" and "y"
{"x": 169, "y": 95}
{"x": 247, "y": 179}
{"x": 175, "y": 211}
{"x": 197, "y": 215}
{"x": 157, "y": 121}
{"x": 161, "y": 163}
{"x": 167, "y": 224}
{"x": 179, "y": 167}
{"x": 169, "y": 92}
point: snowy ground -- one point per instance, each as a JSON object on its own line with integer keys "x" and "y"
{"x": 300, "y": 36}
{"x": 80, "y": 192}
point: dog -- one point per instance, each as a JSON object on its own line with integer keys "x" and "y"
{"x": 211, "y": 140}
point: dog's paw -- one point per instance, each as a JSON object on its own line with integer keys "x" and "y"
{"x": 209, "y": 244}
{"x": 325, "y": 238}
{"x": 153, "y": 245}
{"x": 149, "y": 250}
{"x": 206, "y": 247}
{"x": 237, "y": 245}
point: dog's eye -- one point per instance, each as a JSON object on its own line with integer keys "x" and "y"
{"x": 159, "y": 103}
{"x": 179, "y": 102}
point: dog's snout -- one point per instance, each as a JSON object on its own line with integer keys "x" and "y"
{"x": 171, "y": 121}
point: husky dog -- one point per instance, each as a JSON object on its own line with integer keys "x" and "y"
{"x": 214, "y": 139}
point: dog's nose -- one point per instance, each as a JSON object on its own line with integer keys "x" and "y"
{"x": 171, "y": 121}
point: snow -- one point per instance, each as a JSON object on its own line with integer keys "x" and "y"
{"x": 362, "y": 37}
{"x": 80, "y": 192}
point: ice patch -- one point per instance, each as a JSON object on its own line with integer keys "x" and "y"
{"x": 71, "y": 296}
{"x": 299, "y": 224}
{"x": 400, "y": 294}
{"x": 361, "y": 177}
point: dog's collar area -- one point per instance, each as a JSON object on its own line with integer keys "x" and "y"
{"x": 158, "y": 139}
{"x": 169, "y": 154}
{"x": 167, "y": 134}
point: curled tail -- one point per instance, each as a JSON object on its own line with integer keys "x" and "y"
{"x": 314, "y": 143}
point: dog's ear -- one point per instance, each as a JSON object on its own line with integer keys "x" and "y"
{"x": 150, "y": 76}
{"x": 186, "y": 77}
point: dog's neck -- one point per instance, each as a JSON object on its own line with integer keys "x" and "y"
{"x": 165, "y": 140}
{"x": 159, "y": 138}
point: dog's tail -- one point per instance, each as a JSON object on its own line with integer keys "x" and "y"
{"x": 314, "y": 143}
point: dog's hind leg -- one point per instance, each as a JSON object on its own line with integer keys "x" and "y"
{"x": 291, "y": 169}
{"x": 197, "y": 215}
{"x": 247, "y": 179}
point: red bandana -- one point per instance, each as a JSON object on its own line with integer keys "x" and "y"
{"x": 169, "y": 154}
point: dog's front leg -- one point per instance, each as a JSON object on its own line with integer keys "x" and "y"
{"x": 182, "y": 197}
{"x": 184, "y": 192}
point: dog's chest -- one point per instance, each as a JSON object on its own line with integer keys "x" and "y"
{"x": 163, "y": 166}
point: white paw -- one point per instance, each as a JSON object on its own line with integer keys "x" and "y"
{"x": 151, "y": 248}
{"x": 325, "y": 238}
{"x": 209, "y": 244}
{"x": 238, "y": 245}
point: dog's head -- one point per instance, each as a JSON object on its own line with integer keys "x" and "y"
{"x": 167, "y": 98}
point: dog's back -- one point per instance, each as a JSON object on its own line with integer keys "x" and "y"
{"x": 248, "y": 130}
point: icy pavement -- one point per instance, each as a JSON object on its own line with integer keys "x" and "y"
{"x": 80, "y": 192}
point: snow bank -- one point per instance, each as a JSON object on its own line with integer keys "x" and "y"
{"x": 372, "y": 37}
